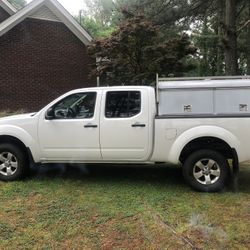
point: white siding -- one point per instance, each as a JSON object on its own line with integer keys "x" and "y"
{"x": 46, "y": 14}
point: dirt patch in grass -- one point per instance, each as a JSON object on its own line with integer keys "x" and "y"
{"x": 120, "y": 233}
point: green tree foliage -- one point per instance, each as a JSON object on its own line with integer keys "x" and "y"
{"x": 97, "y": 18}
{"x": 135, "y": 52}
{"x": 220, "y": 32}
{"x": 101, "y": 11}
{"x": 220, "y": 29}
{"x": 171, "y": 16}
{"x": 208, "y": 40}
{"x": 18, "y": 4}
{"x": 95, "y": 28}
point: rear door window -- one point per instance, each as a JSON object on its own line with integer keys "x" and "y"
{"x": 122, "y": 104}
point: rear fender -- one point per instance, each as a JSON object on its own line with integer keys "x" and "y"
{"x": 198, "y": 132}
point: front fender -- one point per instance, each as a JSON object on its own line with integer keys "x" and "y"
{"x": 201, "y": 131}
{"x": 23, "y": 136}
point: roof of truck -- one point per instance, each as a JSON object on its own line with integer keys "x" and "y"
{"x": 113, "y": 88}
{"x": 206, "y": 83}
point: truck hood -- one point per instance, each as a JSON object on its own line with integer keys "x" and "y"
{"x": 14, "y": 119}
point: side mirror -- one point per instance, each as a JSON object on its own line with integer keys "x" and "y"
{"x": 50, "y": 114}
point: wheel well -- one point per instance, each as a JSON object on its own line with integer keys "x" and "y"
{"x": 211, "y": 143}
{"x": 13, "y": 140}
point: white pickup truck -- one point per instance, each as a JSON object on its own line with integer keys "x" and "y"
{"x": 200, "y": 124}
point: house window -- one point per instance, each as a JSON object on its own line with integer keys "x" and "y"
{"x": 122, "y": 104}
{"x": 76, "y": 106}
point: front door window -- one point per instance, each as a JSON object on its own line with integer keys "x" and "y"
{"x": 76, "y": 106}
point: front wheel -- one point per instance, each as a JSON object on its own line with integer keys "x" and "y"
{"x": 206, "y": 171}
{"x": 13, "y": 163}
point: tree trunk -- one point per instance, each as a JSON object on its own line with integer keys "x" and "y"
{"x": 231, "y": 39}
{"x": 220, "y": 22}
{"x": 204, "y": 49}
{"x": 248, "y": 41}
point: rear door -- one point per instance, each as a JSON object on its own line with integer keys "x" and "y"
{"x": 124, "y": 128}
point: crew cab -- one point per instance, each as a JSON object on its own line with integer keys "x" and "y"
{"x": 201, "y": 124}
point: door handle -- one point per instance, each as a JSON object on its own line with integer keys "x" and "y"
{"x": 138, "y": 125}
{"x": 90, "y": 126}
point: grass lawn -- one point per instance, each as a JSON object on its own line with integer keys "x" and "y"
{"x": 121, "y": 207}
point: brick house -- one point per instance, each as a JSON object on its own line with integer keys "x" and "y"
{"x": 43, "y": 54}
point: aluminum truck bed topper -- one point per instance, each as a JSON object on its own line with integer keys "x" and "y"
{"x": 220, "y": 96}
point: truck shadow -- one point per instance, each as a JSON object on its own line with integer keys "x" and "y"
{"x": 149, "y": 174}
{"x": 108, "y": 173}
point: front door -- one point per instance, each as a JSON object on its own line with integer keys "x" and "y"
{"x": 72, "y": 133}
{"x": 124, "y": 128}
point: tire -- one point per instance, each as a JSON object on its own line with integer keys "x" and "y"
{"x": 206, "y": 171}
{"x": 13, "y": 162}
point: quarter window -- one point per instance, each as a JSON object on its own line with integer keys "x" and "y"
{"x": 122, "y": 104}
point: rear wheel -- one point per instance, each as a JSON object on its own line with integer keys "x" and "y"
{"x": 13, "y": 163}
{"x": 206, "y": 171}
